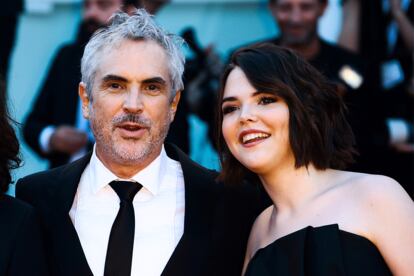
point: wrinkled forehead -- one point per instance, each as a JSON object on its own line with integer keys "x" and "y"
{"x": 135, "y": 58}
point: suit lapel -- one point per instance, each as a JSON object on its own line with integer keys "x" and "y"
{"x": 192, "y": 252}
{"x": 69, "y": 253}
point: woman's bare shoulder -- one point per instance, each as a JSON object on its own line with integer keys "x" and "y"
{"x": 259, "y": 231}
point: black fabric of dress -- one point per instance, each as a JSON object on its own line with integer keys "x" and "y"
{"x": 320, "y": 251}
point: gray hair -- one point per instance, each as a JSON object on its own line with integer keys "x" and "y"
{"x": 139, "y": 26}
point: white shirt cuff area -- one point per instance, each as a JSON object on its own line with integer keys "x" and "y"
{"x": 44, "y": 138}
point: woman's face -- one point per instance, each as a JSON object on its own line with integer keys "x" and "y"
{"x": 255, "y": 125}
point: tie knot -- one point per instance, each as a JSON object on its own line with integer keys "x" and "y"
{"x": 126, "y": 190}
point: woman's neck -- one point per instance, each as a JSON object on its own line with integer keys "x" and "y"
{"x": 290, "y": 188}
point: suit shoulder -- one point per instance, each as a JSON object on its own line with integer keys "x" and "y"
{"x": 342, "y": 53}
{"x": 36, "y": 184}
{"x": 15, "y": 212}
{"x": 14, "y": 206}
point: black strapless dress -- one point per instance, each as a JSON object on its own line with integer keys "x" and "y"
{"x": 319, "y": 251}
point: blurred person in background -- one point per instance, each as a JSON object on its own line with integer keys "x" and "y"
{"x": 382, "y": 32}
{"x": 154, "y": 6}
{"x": 55, "y": 128}
{"x": 298, "y": 22}
{"x": 21, "y": 250}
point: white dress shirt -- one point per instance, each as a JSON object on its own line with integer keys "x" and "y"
{"x": 159, "y": 214}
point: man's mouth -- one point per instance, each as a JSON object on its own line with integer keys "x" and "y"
{"x": 131, "y": 130}
{"x": 130, "y": 126}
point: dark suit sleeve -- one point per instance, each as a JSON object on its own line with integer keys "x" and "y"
{"x": 236, "y": 213}
{"x": 41, "y": 114}
{"x": 28, "y": 257}
{"x": 23, "y": 191}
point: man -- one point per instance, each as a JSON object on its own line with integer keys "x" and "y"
{"x": 55, "y": 128}
{"x": 298, "y": 22}
{"x": 181, "y": 222}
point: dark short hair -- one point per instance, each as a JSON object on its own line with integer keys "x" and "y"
{"x": 9, "y": 145}
{"x": 319, "y": 133}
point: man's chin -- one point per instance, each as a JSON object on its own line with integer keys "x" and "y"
{"x": 296, "y": 41}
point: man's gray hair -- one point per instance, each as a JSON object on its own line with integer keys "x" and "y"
{"x": 139, "y": 26}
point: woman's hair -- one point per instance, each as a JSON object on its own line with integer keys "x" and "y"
{"x": 9, "y": 145}
{"x": 319, "y": 133}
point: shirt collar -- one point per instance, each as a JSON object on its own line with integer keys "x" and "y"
{"x": 150, "y": 177}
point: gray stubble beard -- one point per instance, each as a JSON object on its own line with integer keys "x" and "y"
{"x": 125, "y": 155}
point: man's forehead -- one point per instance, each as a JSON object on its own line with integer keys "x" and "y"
{"x": 134, "y": 56}
{"x": 125, "y": 44}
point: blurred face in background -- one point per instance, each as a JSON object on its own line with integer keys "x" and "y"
{"x": 153, "y": 6}
{"x": 297, "y": 19}
{"x": 97, "y": 12}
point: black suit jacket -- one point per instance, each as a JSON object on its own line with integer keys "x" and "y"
{"x": 216, "y": 225}
{"x": 21, "y": 248}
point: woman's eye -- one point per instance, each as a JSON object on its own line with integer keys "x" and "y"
{"x": 228, "y": 109}
{"x": 267, "y": 100}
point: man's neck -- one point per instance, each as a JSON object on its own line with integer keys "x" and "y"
{"x": 307, "y": 50}
{"x": 126, "y": 169}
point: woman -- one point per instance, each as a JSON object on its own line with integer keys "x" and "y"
{"x": 21, "y": 251}
{"x": 283, "y": 124}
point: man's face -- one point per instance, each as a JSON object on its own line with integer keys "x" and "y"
{"x": 297, "y": 19}
{"x": 131, "y": 106}
{"x": 97, "y": 12}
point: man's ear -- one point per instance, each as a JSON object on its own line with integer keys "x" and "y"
{"x": 84, "y": 99}
{"x": 174, "y": 104}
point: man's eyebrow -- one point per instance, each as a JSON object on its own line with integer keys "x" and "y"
{"x": 158, "y": 80}
{"x": 114, "y": 78}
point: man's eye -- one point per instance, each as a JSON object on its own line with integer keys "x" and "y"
{"x": 114, "y": 86}
{"x": 152, "y": 87}
{"x": 266, "y": 100}
{"x": 307, "y": 7}
{"x": 229, "y": 109}
{"x": 284, "y": 8}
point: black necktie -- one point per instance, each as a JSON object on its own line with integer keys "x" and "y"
{"x": 121, "y": 240}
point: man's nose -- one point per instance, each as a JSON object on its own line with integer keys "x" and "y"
{"x": 296, "y": 15}
{"x": 133, "y": 101}
{"x": 91, "y": 12}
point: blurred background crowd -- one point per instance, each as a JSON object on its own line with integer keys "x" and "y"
{"x": 365, "y": 47}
